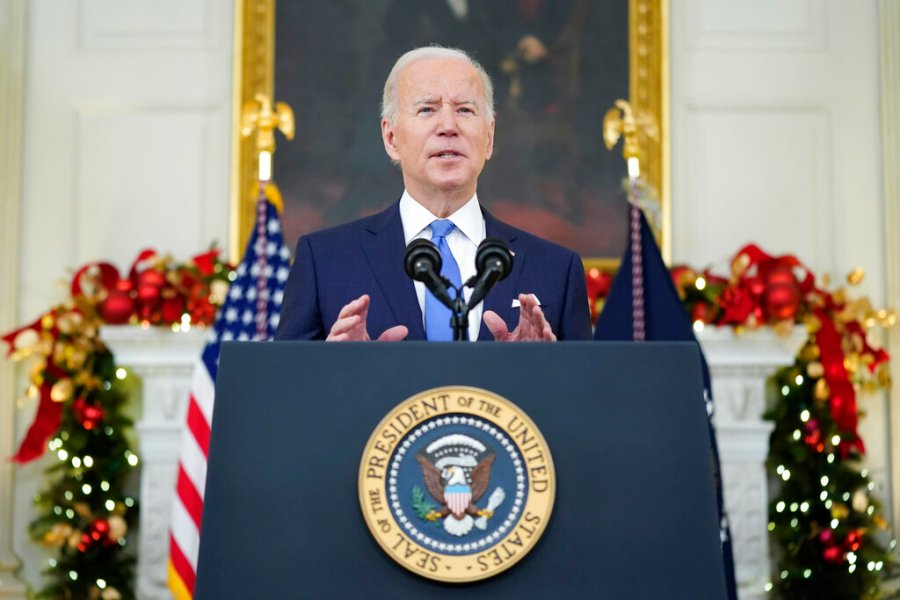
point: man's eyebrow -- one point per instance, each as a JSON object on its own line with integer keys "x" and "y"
{"x": 436, "y": 100}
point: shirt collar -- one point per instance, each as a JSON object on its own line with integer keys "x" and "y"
{"x": 415, "y": 218}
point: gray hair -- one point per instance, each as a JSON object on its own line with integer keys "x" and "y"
{"x": 389, "y": 108}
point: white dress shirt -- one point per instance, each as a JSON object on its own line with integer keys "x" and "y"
{"x": 463, "y": 242}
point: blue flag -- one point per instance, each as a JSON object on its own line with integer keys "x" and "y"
{"x": 665, "y": 319}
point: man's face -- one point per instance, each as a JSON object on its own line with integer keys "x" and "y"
{"x": 442, "y": 136}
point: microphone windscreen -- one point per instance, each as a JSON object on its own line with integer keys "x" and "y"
{"x": 421, "y": 252}
{"x": 493, "y": 249}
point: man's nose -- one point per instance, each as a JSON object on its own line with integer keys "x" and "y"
{"x": 447, "y": 124}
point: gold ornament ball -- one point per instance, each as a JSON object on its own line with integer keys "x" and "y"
{"x": 839, "y": 511}
{"x": 117, "y": 527}
{"x": 110, "y": 593}
{"x": 58, "y": 535}
{"x": 856, "y": 276}
{"x": 75, "y": 539}
{"x": 62, "y": 390}
{"x": 218, "y": 291}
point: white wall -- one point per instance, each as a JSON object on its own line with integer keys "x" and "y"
{"x": 776, "y": 140}
{"x": 12, "y": 92}
{"x": 889, "y": 42}
{"x": 127, "y": 133}
{"x": 126, "y": 145}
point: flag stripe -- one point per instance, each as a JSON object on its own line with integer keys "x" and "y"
{"x": 186, "y": 536}
{"x": 181, "y": 567}
{"x": 193, "y": 462}
{"x": 203, "y": 387}
{"x": 198, "y": 425}
{"x": 189, "y": 496}
{"x": 245, "y": 315}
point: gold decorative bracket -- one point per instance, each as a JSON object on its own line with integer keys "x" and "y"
{"x": 258, "y": 116}
{"x": 635, "y": 127}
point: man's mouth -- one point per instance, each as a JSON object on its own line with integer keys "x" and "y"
{"x": 446, "y": 154}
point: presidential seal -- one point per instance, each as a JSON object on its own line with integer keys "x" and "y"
{"x": 456, "y": 484}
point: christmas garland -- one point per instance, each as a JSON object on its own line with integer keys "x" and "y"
{"x": 824, "y": 520}
{"x": 85, "y": 512}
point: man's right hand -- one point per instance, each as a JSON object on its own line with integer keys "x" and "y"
{"x": 351, "y": 325}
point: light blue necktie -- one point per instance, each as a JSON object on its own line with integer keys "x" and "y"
{"x": 437, "y": 316}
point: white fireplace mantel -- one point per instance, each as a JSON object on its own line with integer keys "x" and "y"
{"x": 164, "y": 360}
{"x": 739, "y": 364}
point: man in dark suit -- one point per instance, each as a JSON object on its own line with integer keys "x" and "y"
{"x": 348, "y": 282}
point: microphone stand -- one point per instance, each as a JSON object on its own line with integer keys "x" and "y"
{"x": 459, "y": 321}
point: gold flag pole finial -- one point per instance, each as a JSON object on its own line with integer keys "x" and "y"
{"x": 259, "y": 116}
{"x": 632, "y": 125}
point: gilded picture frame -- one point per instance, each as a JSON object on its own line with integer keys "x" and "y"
{"x": 255, "y": 73}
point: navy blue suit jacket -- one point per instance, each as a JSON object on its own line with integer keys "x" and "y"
{"x": 337, "y": 265}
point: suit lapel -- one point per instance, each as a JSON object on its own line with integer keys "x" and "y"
{"x": 500, "y": 298}
{"x": 384, "y": 251}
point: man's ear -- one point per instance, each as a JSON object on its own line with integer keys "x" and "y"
{"x": 490, "y": 146}
{"x": 387, "y": 136}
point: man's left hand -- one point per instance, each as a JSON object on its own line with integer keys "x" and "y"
{"x": 532, "y": 327}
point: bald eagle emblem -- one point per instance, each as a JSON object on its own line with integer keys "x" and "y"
{"x": 456, "y": 469}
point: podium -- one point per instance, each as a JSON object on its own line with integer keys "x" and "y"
{"x": 634, "y": 513}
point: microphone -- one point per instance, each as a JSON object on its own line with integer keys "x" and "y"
{"x": 423, "y": 263}
{"x": 493, "y": 262}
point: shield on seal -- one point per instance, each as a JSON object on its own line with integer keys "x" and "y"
{"x": 458, "y": 498}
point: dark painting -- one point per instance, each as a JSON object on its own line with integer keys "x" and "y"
{"x": 550, "y": 173}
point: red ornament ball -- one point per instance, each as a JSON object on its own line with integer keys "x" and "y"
{"x": 782, "y": 295}
{"x": 117, "y": 308}
{"x": 598, "y": 283}
{"x": 853, "y": 540}
{"x": 833, "y": 555}
{"x": 813, "y": 433}
{"x": 701, "y": 312}
{"x": 151, "y": 277}
{"x": 148, "y": 295}
{"x": 172, "y": 309}
{"x": 89, "y": 415}
{"x": 124, "y": 285}
{"x": 757, "y": 287}
{"x": 149, "y": 291}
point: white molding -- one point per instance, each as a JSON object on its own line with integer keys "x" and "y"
{"x": 12, "y": 94}
{"x": 137, "y": 143}
{"x": 889, "y": 50}
{"x": 794, "y": 177}
{"x": 160, "y": 25}
{"x": 761, "y": 26}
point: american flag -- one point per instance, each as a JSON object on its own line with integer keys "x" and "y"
{"x": 250, "y": 312}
